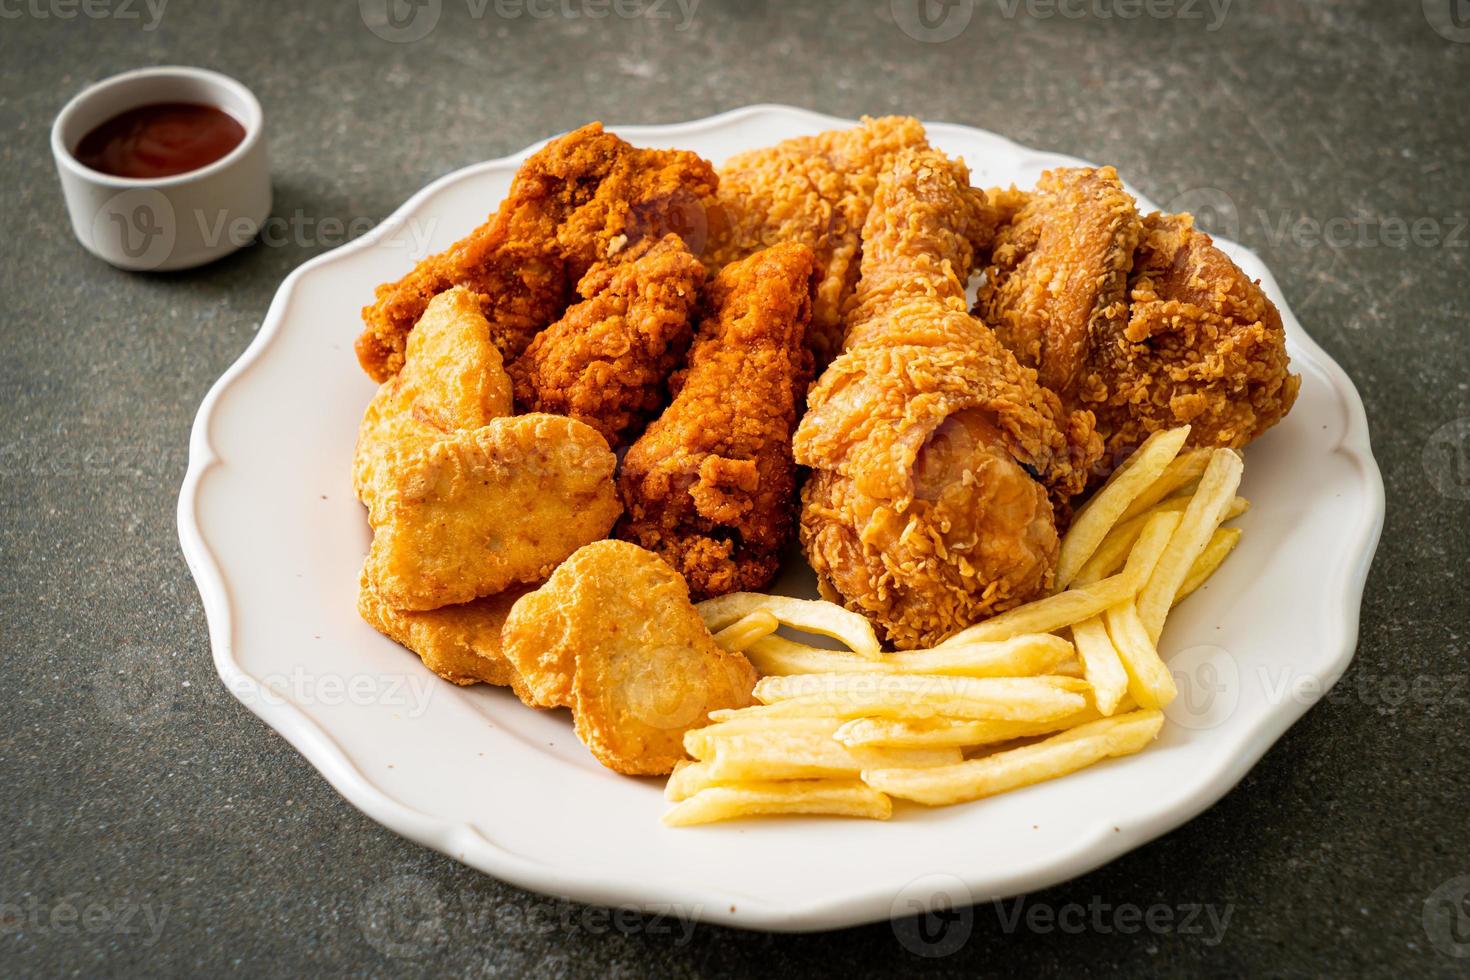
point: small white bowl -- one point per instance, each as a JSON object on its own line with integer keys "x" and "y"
{"x": 164, "y": 223}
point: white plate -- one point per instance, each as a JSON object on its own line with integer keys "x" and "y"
{"x": 275, "y": 540}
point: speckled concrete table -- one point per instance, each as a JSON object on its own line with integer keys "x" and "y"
{"x": 156, "y": 826}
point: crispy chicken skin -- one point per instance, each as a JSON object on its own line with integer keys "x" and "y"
{"x": 484, "y": 509}
{"x": 607, "y": 361}
{"x": 1140, "y": 320}
{"x": 577, "y": 201}
{"x": 613, "y": 636}
{"x": 710, "y": 486}
{"x": 459, "y": 643}
{"x": 815, "y": 190}
{"x": 932, "y": 449}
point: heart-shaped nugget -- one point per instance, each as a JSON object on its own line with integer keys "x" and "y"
{"x": 483, "y": 509}
{"x": 612, "y": 634}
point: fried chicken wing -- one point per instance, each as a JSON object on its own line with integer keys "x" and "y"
{"x": 815, "y": 190}
{"x": 613, "y": 636}
{"x": 710, "y": 485}
{"x": 483, "y": 509}
{"x": 608, "y": 360}
{"x": 451, "y": 379}
{"x": 460, "y": 643}
{"x": 932, "y": 449}
{"x": 577, "y": 201}
{"x": 1140, "y": 320}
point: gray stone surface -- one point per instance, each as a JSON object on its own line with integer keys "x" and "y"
{"x": 156, "y": 826}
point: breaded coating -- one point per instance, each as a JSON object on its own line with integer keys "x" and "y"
{"x": 1140, "y": 320}
{"x": 481, "y": 510}
{"x": 613, "y": 636}
{"x": 577, "y": 201}
{"x": 710, "y": 486}
{"x": 452, "y": 379}
{"x": 1203, "y": 345}
{"x": 932, "y": 449}
{"x": 815, "y": 190}
{"x": 608, "y": 360}
{"x": 459, "y": 643}
{"x": 1059, "y": 271}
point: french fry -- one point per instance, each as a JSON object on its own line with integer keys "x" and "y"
{"x": 787, "y": 755}
{"x": 943, "y": 732}
{"x": 1049, "y": 614}
{"x": 1183, "y": 470}
{"x": 1056, "y": 756}
{"x": 687, "y": 779}
{"x": 1021, "y": 656}
{"x": 1100, "y": 662}
{"x": 1222, "y": 542}
{"x": 1113, "y": 552}
{"x": 808, "y": 615}
{"x": 1149, "y": 680}
{"x": 833, "y": 797}
{"x": 1098, "y": 516}
{"x": 1203, "y": 515}
{"x": 922, "y": 696}
{"x": 744, "y": 631}
{"x": 698, "y": 741}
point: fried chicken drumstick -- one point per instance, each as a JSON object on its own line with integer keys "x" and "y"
{"x": 1140, "y": 320}
{"x": 710, "y": 486}
{"x": 579, "y": 200}
{"x": 933, "y": 451}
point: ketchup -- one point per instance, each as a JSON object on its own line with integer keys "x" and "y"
{"x": 160, "y": 140}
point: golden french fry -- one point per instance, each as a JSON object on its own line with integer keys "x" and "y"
{"x": 1149, "y": 680}
{"x": 1203, "y": 515}
{"x": 698, "y": 741}
{"x": 833, "y": 797}
{"x": 787, "y": 755}
{"x": 1101, "y": 664}
{"x": 1182, "y": 471}
{"x": 943, "y": 732}
{"x": 1021, "y": 656}
{"x": 1049, "y": 614}
{"x": 1222, "y": 542}
{"x": 1014, "y": 768}
{"x": 1098, "y": 516}
{"x": 1113, "y": 552}
{"x": 687, "y": 779}
{"x": 922, "y": 696}
{"x": 808, "y": 615}
{"x": 744, "y": 631}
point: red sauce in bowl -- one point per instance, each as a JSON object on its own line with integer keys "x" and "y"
{"x": 160, "y": 140}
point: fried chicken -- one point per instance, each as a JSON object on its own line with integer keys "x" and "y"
{"x": 481, "y": 510}
{"x": 607, "y": 361}
{"x": 452, "y": 379}
{"x": 933, "y": 450}
{"x": 1140, "y": 320}
{"x": 710, "y": 486}
{"x": 577, "y": 201}
{"x": 613, "y": 636}
{"x": 816, "y": 190}
{"x": 459, "y": 643}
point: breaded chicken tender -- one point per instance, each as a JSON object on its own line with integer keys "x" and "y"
{"x": 577, "y": 201}
{"x": 815, "y": 190}
{"x": 481, "y": 510}
{"x": 613, "y": 636}
{"x": 452, "y": 379}
{"x": 607, "y": 361}
{"x": 710, "y": 486}
{"x": 460, "y": 643}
